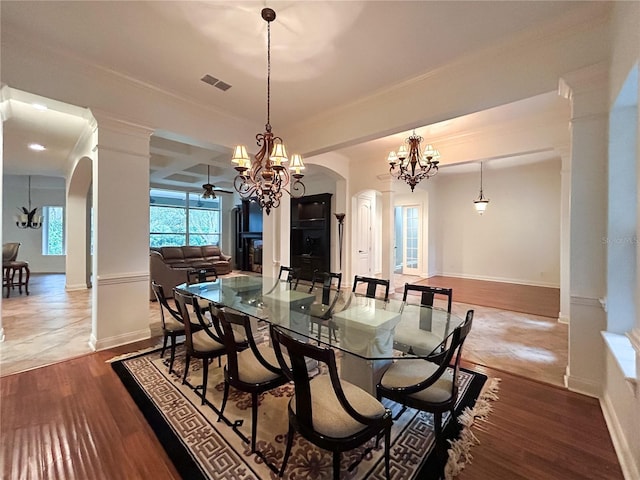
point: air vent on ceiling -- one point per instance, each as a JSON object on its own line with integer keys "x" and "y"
{"x": 216, "y": 83}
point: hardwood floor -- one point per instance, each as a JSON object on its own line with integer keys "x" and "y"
{"x": 75, "y": 420}
{"x": 534, "y": 300}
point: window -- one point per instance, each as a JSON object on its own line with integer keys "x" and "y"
{"x": 53, "y": 231}
{"x": 180, "y": 218}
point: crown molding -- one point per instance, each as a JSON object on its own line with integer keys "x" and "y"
{"x": 94, "y": 70}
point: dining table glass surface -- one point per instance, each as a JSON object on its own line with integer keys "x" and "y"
{"x": 372, "y": 329}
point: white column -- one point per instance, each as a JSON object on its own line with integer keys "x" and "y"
{"x": 587, "y": 90}
{"x": 387, "y": 238}
{"x": 77, "y": 224}
{"x": 276, "y": 237}
{"x": 121, "y": 233}
{"x": 565, "y": 236}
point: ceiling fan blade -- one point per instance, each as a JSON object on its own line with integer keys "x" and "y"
{"x": 221, "y": 190}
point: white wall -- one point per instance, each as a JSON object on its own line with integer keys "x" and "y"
{"x": 48, "y": 191}
{"x": 621, "y": 401}
{"x": 518, "y": 237}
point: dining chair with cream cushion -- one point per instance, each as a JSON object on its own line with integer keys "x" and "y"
{"x": 331, "y": 413}
{"x": 205, "y": 343}
{"x": 253, "y": 370}
{"x": 429, "y": 385}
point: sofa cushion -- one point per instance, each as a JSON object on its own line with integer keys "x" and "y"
{"x": 172, "y": 255}
{"x": 192, "y": 254}
{"x": 211, "y": 252}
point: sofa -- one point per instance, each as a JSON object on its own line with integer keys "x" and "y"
{"x": 168, "y": 266}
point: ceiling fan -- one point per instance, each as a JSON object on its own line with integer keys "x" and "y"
{"x": 209, "y": 190}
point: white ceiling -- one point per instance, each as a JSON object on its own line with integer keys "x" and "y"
{"x": 324, "y": 54}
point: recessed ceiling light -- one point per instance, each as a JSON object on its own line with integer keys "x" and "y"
{"x": 39, "y": 106}
{"x": 37, "y": 147}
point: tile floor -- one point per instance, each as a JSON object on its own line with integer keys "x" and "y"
{"x": 52, "y": 325}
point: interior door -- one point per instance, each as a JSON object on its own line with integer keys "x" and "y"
{"x": 408, "y": 226}
{"x": 363, "y": 240}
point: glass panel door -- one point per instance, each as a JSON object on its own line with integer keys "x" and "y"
{"x": 407, "y": 229}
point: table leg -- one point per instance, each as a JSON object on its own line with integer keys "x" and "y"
{"x": 361, "y": 372}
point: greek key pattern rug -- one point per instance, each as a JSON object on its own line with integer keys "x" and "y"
{"x": 202, "y": 447}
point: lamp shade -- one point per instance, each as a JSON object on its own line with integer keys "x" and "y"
{"x": 240, "y": 156}
{"x": 278, "y": 154}
{"x": 481, "y": 205}
{"x": 296, "y": 163}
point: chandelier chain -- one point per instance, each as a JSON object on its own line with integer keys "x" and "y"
{"x": 268, "y": 125}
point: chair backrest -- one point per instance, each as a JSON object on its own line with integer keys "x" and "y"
{"x": 427, "y": 294}
{"x": 158, "y": 290}
{"x": 10, "y": 251}
{"x": 182, "y": 300}
{"x": 291, "y": 275}
{"x": 201, "y": 275}
{"x": 297, "y": 371}
{"x": 449, "y": 357}
{"x": 227, "y": 319}
{"x": 326, "y": 280}
{"x": 372, "y": 285}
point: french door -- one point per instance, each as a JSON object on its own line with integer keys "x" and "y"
{"x": 408, "y": 225}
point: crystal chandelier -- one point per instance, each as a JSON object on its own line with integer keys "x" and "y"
{"x": 414, "y": 165}
{"x": 265, "y": 178}
{"x": 28, "y": 218}
{"x": 482, "y": 202}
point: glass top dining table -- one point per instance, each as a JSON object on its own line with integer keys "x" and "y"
{"x": 368, "y": 328}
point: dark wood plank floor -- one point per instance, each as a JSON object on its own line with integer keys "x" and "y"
{"x": 75, "y": 420}
{"x": 543, "y": 301}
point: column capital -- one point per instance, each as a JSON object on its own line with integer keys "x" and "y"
{"x": 587, "y": 89}
{"x": 106, "y": 120}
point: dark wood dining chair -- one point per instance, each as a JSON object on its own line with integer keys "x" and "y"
{"x": 372, "y": 286}
{"x": 326, "y": 287}
{"x": 253, "y": 370}
{"x": 428, "y": 385}
{"x": 291, "y": 275}
{"x": 205, "y": 343}
{"x": 428, "y": 294}
{"x": 171, "y": 321}
{"x": 331, "y": 413}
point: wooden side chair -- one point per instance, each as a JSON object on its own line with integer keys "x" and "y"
{"x": 428, "y": 294}
{"x": 172, "y": 325}
{"x": 253, "y": 370}
{"x": 326, "y": 287}
{"x": 205, "y": 343}
{"x": 291, "y": 275}
{"x": 330, "y": 413}
{"x": 428, "y": 385}
{"x": 372, "y": 286}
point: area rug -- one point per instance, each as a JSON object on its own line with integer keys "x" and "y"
{"x": 201, "y": 447}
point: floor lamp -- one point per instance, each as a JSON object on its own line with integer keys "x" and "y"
{"x": 340, "y": 217}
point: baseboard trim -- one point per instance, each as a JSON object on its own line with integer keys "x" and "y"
{"x": 628, "y": 463}
{"x": 76, "y": 287}
{"x": 118, "y": 340}
{"x": 498, "y": 279}
{"x": 583, "y": 386}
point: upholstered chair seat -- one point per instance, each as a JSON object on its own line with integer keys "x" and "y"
{"x": 329, "y": 418}
{"x": 406, "y": 373}
{"x": 202, "y": 342}
{"x": 250, "y": 370}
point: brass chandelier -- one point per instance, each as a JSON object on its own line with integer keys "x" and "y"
{"x": 265, "y": 178}
{"x": 413, "y": 164}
